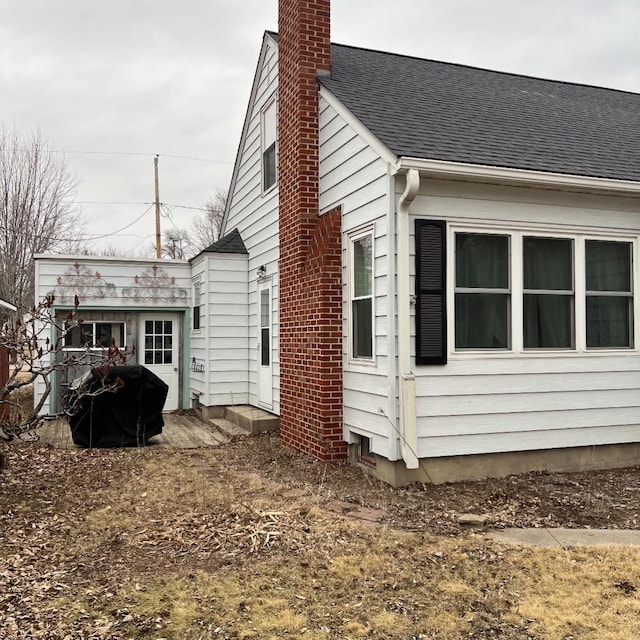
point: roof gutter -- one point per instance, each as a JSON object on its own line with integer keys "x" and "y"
{"x": 519, "y": 177}
{"x": 406, "y": 377}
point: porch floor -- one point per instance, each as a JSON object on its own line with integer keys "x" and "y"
{"x": 180, "y": 431}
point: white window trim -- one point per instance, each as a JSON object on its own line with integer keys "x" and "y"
{"x": 516, "y": 233}
{"x": 263, "y": 112}
{"x": 353, "y": 237}
{"x": 103, "y": 347}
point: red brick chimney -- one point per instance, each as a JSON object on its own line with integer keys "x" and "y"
{"x": 310, "y": 270}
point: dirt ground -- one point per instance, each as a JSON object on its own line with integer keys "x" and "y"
{"x": 596, "y": 499}
{"x": 252, "y": 541}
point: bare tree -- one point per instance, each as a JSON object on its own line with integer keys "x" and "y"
{"x": 38, "y": 357}
{"x": 114, "y": 251}
{"x": 207, "y": 225}
{"x": 177, "y": 244}
{"x": 36, "y": 211}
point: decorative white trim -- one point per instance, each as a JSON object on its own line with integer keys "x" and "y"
{"x": 523, "y": 177}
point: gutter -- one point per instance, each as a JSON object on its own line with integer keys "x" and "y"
{"x": 406, "y": 377}
{"x": 520, "y": 177}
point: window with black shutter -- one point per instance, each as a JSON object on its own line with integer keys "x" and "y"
{"x": 431, "y": 307}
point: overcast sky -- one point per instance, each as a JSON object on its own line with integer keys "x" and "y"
{"x": 114, "y": 83}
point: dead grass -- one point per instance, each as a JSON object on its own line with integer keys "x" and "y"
{"x": 150, "y": 544}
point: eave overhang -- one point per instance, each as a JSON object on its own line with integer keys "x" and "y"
{"x": 516, "y": 177}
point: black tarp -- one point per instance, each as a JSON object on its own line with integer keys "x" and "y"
{"x": 124, "y": 418}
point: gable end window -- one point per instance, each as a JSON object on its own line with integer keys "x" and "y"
{"x": 431, "y": 308}
{"x": 268, "y": 136}
{"x": 361, "y": 295}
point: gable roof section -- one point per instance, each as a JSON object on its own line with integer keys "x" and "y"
{"x": 231, "y": 243}
{"x": 440, "y": 111}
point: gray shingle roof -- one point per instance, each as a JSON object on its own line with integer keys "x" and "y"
{"x": 231, "y": 243}
{"x": 439, "y": 111}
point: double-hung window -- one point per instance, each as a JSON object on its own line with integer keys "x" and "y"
{"x": 548, "y": 292}
{"x": 609, "y": 294}
{"x": 268, "y": 134}
{"x": 519, "y": 291}
{"x": 483, "y": 291}
{"x": 361, "y": 294}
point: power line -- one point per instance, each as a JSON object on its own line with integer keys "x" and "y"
{"x": 113, "y": 233}
{"x": 139, "y": 153}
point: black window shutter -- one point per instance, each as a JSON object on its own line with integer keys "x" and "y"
{"x": 431, "y": 292}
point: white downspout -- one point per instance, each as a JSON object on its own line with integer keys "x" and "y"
{"x": 406, "y": 378}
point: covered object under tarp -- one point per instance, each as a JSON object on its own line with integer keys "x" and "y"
{"x": 126, "y": 417}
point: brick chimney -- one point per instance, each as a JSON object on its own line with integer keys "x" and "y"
{"x": 310, "y": 294}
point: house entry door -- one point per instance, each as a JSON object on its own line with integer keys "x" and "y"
{"x": 265, "y": 365}
{"x": 158, "y": 352}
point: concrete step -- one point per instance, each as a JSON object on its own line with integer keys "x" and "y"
{"x": 252, "y": 419}
{"x": 228, "y": 429}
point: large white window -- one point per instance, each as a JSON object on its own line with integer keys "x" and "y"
{"x": 361, "y": 294}
{"x": 519, "y": 291}
{"x": 268, "y": 135}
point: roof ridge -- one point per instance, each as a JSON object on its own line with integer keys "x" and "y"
{"x": 460, "y": 65}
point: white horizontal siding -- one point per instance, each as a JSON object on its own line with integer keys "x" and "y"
{"x": 100, "y": 281}
{"x": 354, "y": 176}
{"x": 255, "y": 215}
{"x": 490, "y": 403}
{"x": 225, "y": 315}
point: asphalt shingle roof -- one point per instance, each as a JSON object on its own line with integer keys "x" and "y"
{"x": 440, "y": 111}
{"x": 231, "y": 243}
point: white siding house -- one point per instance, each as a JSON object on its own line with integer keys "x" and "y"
{"x": 488, "y": 299}
{"x": 252, "y": 209}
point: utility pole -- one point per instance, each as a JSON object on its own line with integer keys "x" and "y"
{"x": 158, "y": 245}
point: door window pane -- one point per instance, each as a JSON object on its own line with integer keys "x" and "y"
{"x": 158, "y": 342}
{"x": 265, "y": 327}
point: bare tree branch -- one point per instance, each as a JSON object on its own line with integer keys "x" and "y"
{"x": 36, "y": 212}
{"x": 38, "y": 347}
{"x": 207, "y": 225}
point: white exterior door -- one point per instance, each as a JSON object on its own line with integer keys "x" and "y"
{"x": 265, "y": 365}
{"x": 158, "y": 352}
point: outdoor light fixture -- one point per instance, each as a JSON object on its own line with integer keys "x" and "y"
{"x": 261, "y": 272}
